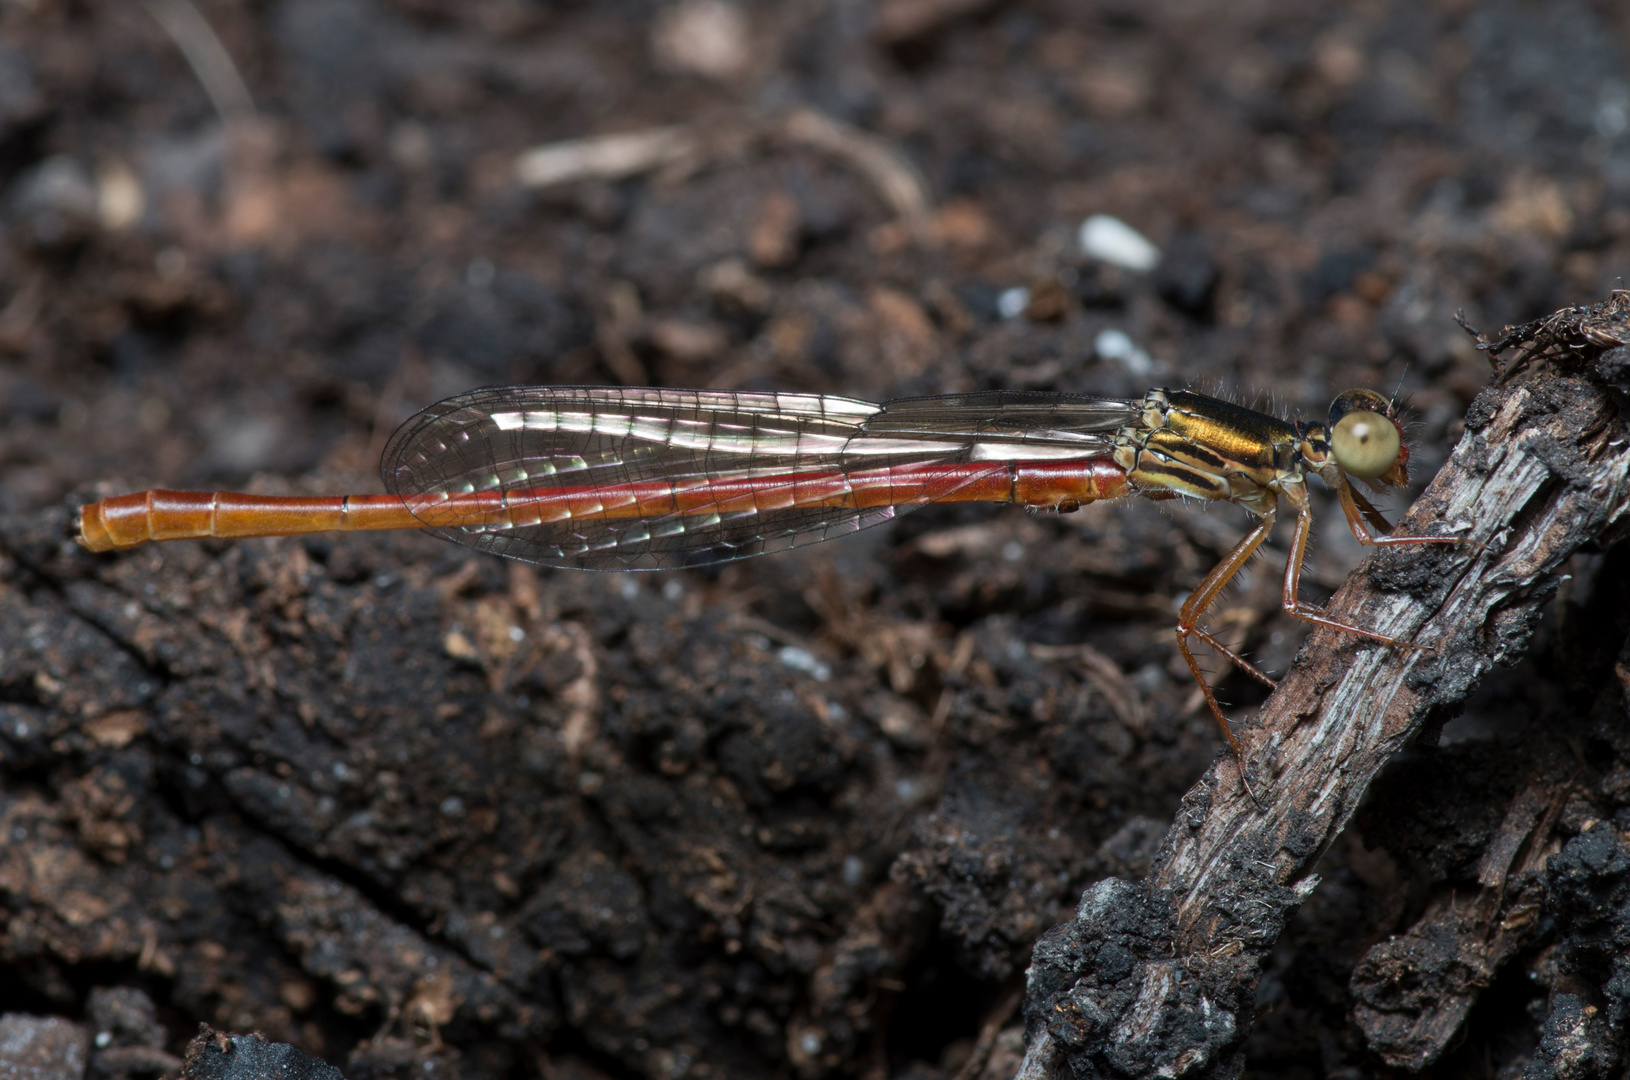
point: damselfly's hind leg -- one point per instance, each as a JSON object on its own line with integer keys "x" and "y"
{"x": 1188, "y": 622}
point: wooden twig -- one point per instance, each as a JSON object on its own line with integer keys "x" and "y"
{"x": 1158, "y": 978}
{"x": 606, "y": 157}
{"x": 890, "y": 173}
{"x": 207, "y": 57}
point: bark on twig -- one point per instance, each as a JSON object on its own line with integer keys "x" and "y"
{"x": 1158, "y": 978}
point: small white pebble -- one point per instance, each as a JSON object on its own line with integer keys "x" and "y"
{"x": 706, "y": 37}
{"x": 1012, "y": 302}
{"x": 805, "y": 661}
{"x": 1116, "y": 345}
{"x": 1111, "y": 240}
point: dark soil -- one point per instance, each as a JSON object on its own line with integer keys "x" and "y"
{"x": 404, "y": 806}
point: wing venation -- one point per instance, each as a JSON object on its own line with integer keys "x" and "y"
{"x": 628, "y": 478}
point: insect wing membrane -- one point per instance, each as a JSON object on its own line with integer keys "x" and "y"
{"x": 628, "y": 479}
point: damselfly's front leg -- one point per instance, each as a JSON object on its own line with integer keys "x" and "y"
{"x": 1358, "y": 510}
{"x": 1296, "y": 495}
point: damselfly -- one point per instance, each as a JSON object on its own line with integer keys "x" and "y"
{"x": 644, "y": 479}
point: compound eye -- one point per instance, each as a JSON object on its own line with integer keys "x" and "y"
{"x": 1365, "y": 444}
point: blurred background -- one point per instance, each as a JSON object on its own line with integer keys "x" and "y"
{"x": 404, "y": 806}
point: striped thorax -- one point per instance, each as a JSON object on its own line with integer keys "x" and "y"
{"x": 1206, "y": 448}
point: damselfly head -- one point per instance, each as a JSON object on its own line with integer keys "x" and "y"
{"x": 1365, "y": 438}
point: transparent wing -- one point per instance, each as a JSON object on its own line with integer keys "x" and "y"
{"x": 639, "y": 479}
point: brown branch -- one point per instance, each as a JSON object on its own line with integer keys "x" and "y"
{"x": 1158, "y": 978}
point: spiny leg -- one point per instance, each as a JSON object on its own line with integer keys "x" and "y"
{"x": 1358, "y": 510}
{"x": 1296, "y": 495}
{"x": 1353, "y": 504}
{"x": 1235, "y": 658}
{"x": 1188, "y": 617}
